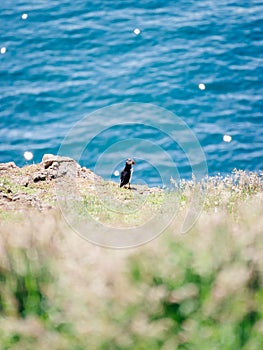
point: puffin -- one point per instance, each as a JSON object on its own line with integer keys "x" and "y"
{"x": 126, "y": 173}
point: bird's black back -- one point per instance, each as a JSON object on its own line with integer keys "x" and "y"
{"x": 125, "y": 175}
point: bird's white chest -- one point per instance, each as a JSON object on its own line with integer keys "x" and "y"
{"x": 131, "y": 173}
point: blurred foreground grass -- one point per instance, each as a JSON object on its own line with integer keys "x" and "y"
{"x": 202, "y": 290}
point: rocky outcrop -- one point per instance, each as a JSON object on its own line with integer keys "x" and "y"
{"x": 37, "y": 185}
{"x": 51, "y": 160}
{"x": 34, "y": 185}
{"x": 7, "y": 166}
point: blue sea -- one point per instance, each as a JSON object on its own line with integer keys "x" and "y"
{"x": 62, "y": 61}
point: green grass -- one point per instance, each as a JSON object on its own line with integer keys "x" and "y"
{"x": 8, "y": 186}
{"x": 43, "y": 191}
{"x": 112, "y": 205}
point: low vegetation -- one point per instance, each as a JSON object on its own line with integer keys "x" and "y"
{"x": 198, "y": 290}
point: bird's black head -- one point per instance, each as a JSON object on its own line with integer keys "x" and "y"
{"x": 130, "y": 161}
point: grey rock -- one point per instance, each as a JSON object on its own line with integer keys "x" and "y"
{"x": 39, "y": 177}
{"x": 55, "y": 165}
{"x": 7, "y": 166}
{"x": 24, "y": 181}
{"x": 50, "y": 159}
{"x": 53, "y": 173}
{"x": 8, "y": 198}
{"x": 16, "y": 197}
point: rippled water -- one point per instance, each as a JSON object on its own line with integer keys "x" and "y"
{"x": 69, "y": 58}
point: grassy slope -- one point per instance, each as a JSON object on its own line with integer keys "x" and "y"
{"x": 201, "y": 290}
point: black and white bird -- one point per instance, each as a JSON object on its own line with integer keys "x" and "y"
{"x": 126, "y": 173}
